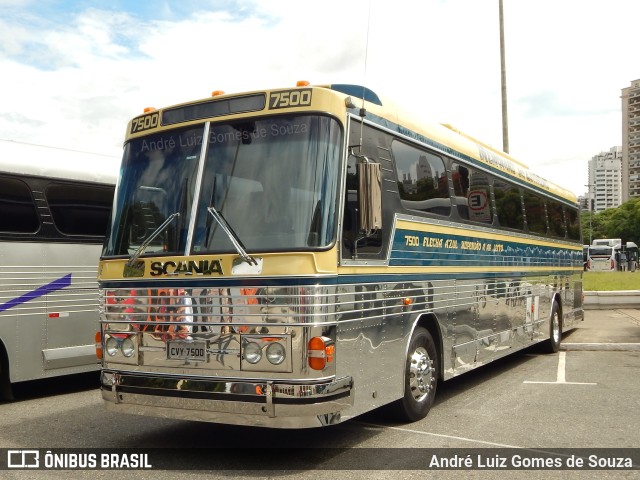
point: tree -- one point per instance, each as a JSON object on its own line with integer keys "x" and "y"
{"x": 624, "y": 221}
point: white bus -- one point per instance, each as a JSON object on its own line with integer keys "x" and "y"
{"x": 54, "y": 209}
{"x": 601, "y": 258}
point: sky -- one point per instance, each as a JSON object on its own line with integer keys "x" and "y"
{"x": 73, "y": 73}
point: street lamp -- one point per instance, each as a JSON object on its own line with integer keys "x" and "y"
{"x": 589, "y": 185}
{"x": 503, "y": 81}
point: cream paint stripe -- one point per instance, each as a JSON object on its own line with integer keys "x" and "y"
{"x": 431, "y": 228}
{"x": 407, "y": 269}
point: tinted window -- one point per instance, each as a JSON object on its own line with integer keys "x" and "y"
{"x": 17, "y": 210}
{"x": 422, "y": 179}
{"x": 536, "y": 216}
{"x": 80, "y": 209}
{"x": 508, "y": 205}
{"x": 471, "y": 188}
{"x": 556, "y": 218}
{"x": 573, "y": 223}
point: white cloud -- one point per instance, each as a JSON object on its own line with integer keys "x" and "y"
{"x": 75, "y": 83}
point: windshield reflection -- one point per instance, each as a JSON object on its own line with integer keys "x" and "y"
{"x": 273, "y": 179}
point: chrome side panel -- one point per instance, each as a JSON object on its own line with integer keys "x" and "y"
{"x": 476, "y": 321}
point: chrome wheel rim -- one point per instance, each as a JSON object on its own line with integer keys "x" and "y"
{"x": 555, "y": 327}
{"x": 421, "y": 375}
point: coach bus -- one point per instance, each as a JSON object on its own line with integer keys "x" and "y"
{"x": 54, "y": 210}
{"x": 296, "y": 257}
{"x": 601, "y": 258}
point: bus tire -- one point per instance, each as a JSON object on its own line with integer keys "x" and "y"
{"x": 552, "y": 345}
{"x": 420, "y": 377}
{"x": 6, "y": 392}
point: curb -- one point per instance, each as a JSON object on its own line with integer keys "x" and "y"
{"x": 597, "y": 300}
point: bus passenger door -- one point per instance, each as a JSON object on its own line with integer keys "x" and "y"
{"x": 71, "y": 297}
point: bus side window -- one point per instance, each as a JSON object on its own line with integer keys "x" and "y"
{"x": 555, "y": 212}
{"x": 80, "y": 209}
{"x": 355, "y": 242}
{"x": 472, "y": 195}
{"x": 536, "y": 217}
{"x": 573, "y": 223}
{"x": 422, "y": 179}
{"x": 508, "y": 205}
{"x": 17, "y": 208}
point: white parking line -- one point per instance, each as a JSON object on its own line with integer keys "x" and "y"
{"x": 430, "y": 434}
{"x": 561, "y": 378}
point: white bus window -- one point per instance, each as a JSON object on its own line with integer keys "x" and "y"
{"x": 17, "y": 209}
{"x": 80, "y": 209}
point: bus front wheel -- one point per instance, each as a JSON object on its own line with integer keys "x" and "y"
{"x": 421, "y": 377}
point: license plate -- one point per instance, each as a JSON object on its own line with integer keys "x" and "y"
{"x": 179, "y": 350}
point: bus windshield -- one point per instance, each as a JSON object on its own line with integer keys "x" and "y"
{"x": 274, "y": 180}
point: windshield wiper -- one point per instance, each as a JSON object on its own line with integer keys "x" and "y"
{"x": 237, "y": 243}
{"x": 150, "y": 238}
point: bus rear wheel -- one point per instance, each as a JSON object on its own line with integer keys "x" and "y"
{"x": 555, "y": 330}
{"x": 6, "y": 392}
{"x": 421, "y": 377}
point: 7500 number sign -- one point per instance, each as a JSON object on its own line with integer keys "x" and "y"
{"x": 290, "y": 98}
{"x": 145, "y": 122}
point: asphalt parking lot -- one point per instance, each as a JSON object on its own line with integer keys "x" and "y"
{"x": 587, "y": 396}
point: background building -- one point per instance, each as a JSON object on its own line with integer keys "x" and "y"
{"x": 605, "y": 179}
{"x": 630, "y": 141}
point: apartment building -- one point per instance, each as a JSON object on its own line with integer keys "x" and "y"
{"x": 605, "y": 180}
{"x": 631, "y": 141}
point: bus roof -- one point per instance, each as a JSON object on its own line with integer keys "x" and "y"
{"x": 444, "y": 137}
{"x": 45, "y": 161}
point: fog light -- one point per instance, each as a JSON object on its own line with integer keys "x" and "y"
{"x": 111, "y": 346}
{"x": 127, "y": 347}
{"x": 252, "y": 352}
{"x": 276, "y": 353}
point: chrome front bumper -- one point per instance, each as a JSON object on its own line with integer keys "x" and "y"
{"x": 232, "y": 401}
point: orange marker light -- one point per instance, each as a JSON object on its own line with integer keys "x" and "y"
{"x": 216, "y": 93}
{"x": 149, "y": 109}
{"x": 98, "y": 340}
{"x": 321, "y": 351}
{"x": 407, "y": 300}
{"x": 302, "y": 83}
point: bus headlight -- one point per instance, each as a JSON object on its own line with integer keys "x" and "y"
{"x": 266, "y": 353}
{"x": 252, "y": 352}
{"x": 111, "y": 346}
{"x": 127, "y": 347}
{"x": 276, "y": 353}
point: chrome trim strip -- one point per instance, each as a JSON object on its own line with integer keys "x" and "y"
{"x": 267, "y": 392}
